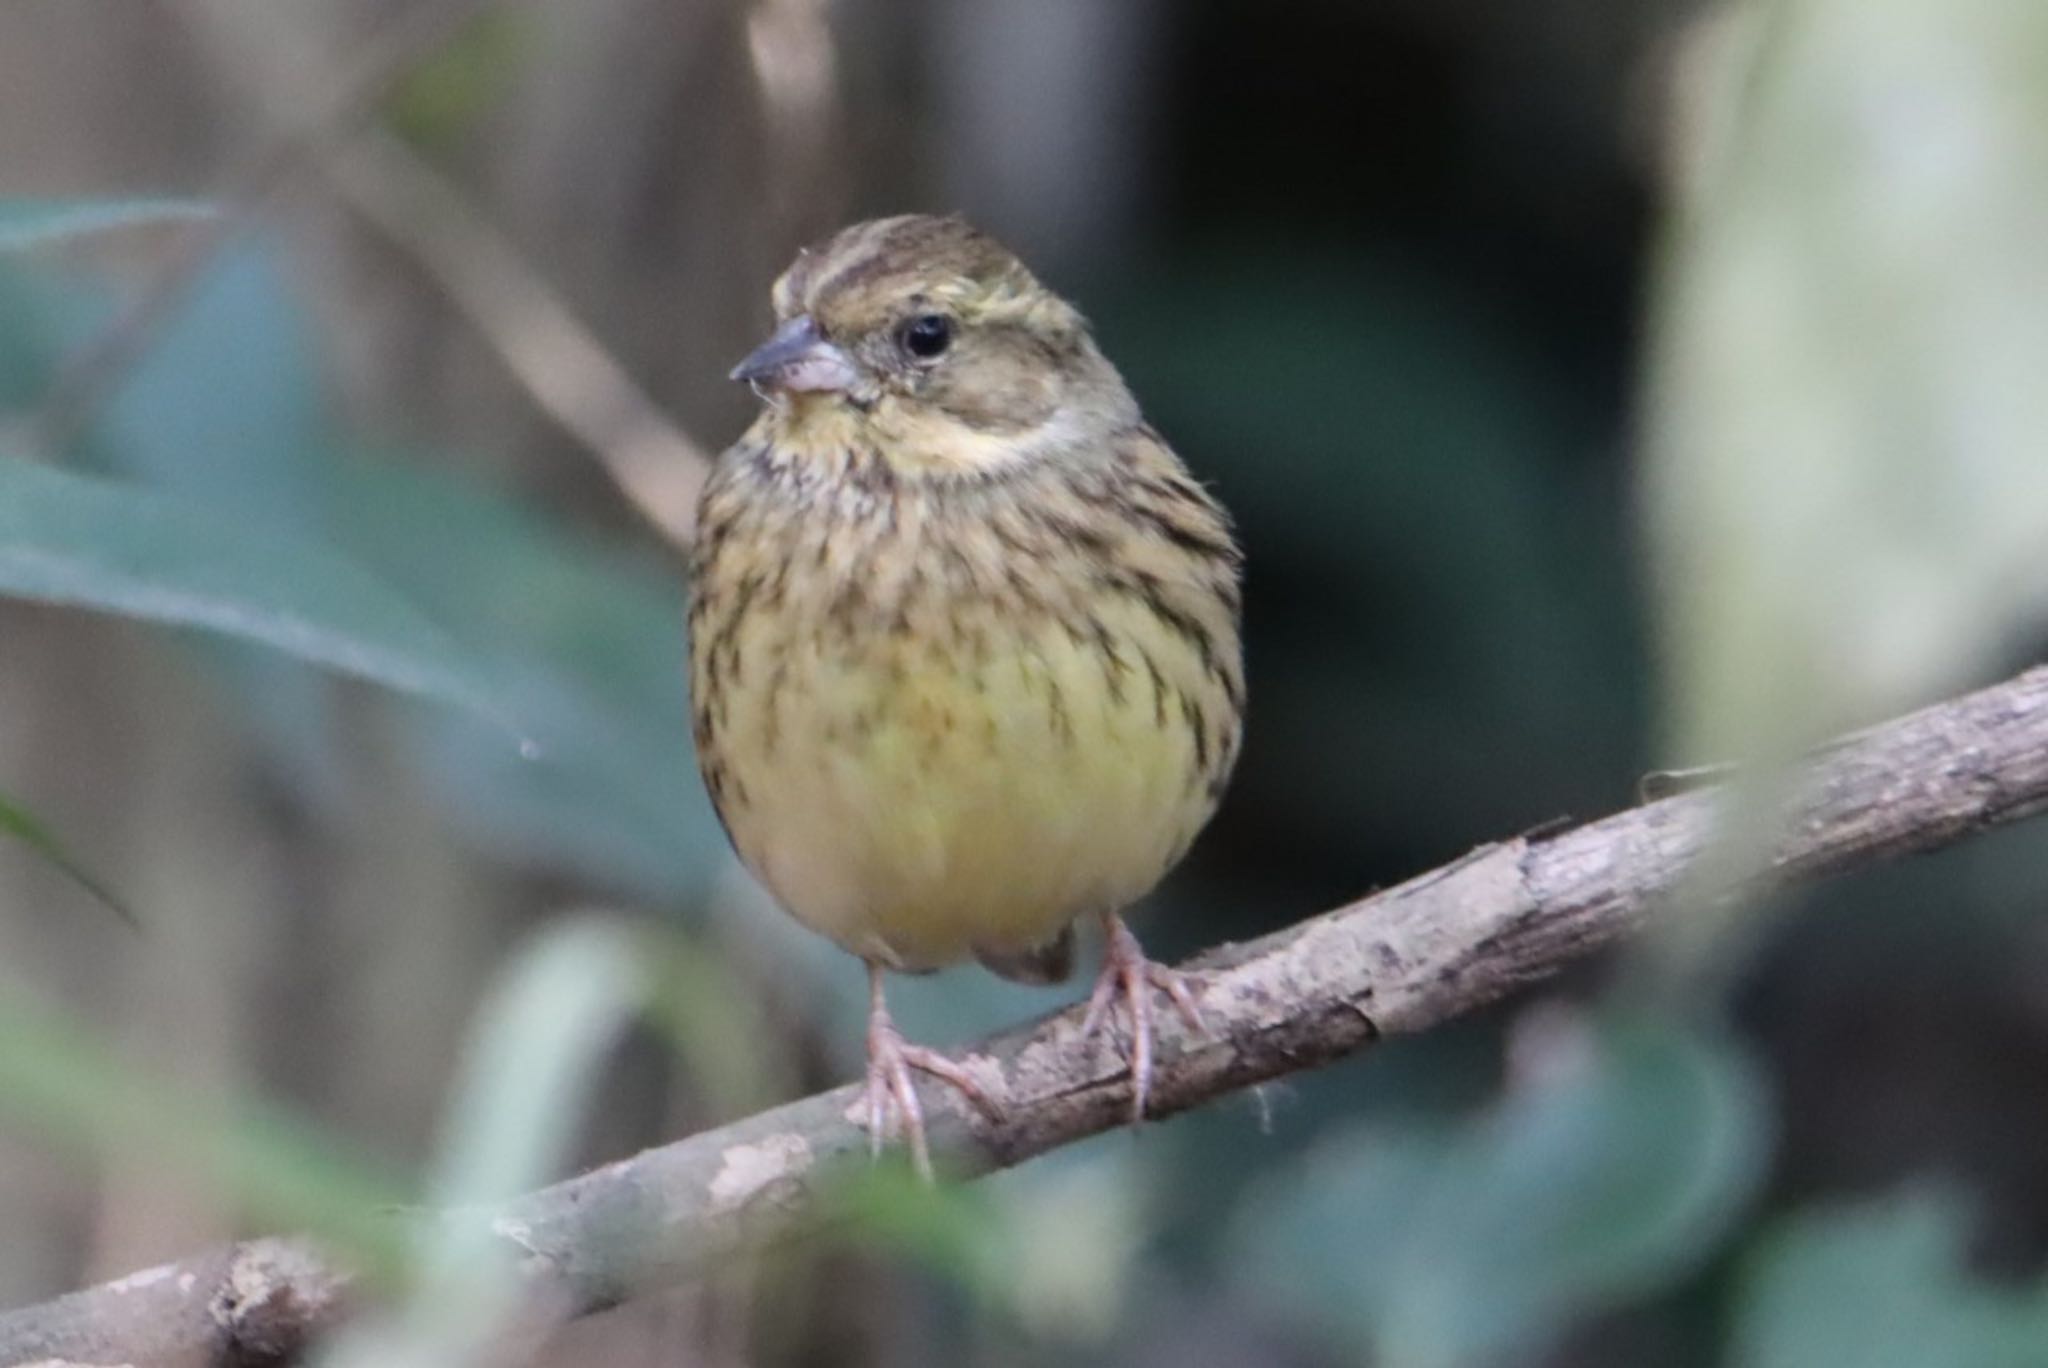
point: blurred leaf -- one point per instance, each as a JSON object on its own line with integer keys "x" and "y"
{"x": 1446, "y": 1245}
{"x": 227, "y": 406}
{"x": 1053, "y": 1247}
{"x": 1847, "y": 503}
{"x": 951, "y": 1230}
{"x": 17, "y": 822}
{"x": 1307, "y": 1238}
{"x": 535, "y": 1058}
{"x": 26, "y": 223}
{"x": 66, "y": 1085}
{"x": 1845, "y": 483}
{"x": 716, "y": 1022}
{"x": 451, "y": 91}
{"x": 76, "y": 540}
{"x": 584, "y": 644}
{"x": 39, "y": 321}
{"x": 577, "y": 640}
{"x": 227, "y": 410}
{"x": 1078, "y": 1224}
{"x": 1883, "y": 1286}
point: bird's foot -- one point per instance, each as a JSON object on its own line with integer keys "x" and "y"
{"x": 890, "y": 1086}
{"x": 1129, "y": 975}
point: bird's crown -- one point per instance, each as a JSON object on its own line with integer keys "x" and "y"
{"x": 865, "y": 275}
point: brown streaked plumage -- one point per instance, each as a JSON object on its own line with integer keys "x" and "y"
{"x": 964, "y": 638}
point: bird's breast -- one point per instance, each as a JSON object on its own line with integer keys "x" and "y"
{"x": 926, "y": 738}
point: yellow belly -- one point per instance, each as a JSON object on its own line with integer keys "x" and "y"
{"x": 918, "y": 799}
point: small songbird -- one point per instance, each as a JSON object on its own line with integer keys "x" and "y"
{"x": 964, "y": 654}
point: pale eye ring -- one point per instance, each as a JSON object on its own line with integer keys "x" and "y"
{"x": 926, "y": 336}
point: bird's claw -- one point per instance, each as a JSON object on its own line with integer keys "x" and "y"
{"x": 891, "y": 1059}
{"x": 1128, "y": 974}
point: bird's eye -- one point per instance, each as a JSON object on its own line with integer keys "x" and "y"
{"x": 927, "y": 336}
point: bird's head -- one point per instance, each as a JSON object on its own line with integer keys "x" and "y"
{"x": 928, "y": 343}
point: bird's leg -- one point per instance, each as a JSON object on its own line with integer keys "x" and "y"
{"x": 1126, "y": 973}
{"x": 890, "y": 1060}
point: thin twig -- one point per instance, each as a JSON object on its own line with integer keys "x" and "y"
{"x": 105, "y": 362}
{"x": 569, "y": 373}
{"x": 557, "y": 360}
{"x": 1398, "y": 962}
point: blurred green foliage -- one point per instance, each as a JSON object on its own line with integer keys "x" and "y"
{"x": 1843, "y": 472}
{"x": 529, "y": 1076}
{"x": 60, "y": 1081}
{"x": 1631, "y": 1154}
{"x": 442, "y": 99}
{"x": 85, "y": 542}
{"x": 1884, "y": 1286}
{"x": 569, "y": 647}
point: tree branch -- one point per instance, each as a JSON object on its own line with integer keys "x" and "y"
{"x": 1394, "y": 963}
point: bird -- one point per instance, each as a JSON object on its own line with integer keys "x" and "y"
{"x": 965, "y": 659}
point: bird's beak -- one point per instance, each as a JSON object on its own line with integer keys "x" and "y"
{"x": 797, "y": 357}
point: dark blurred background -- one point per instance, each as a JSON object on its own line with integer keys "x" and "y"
{"x": 1378, "y": 270}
